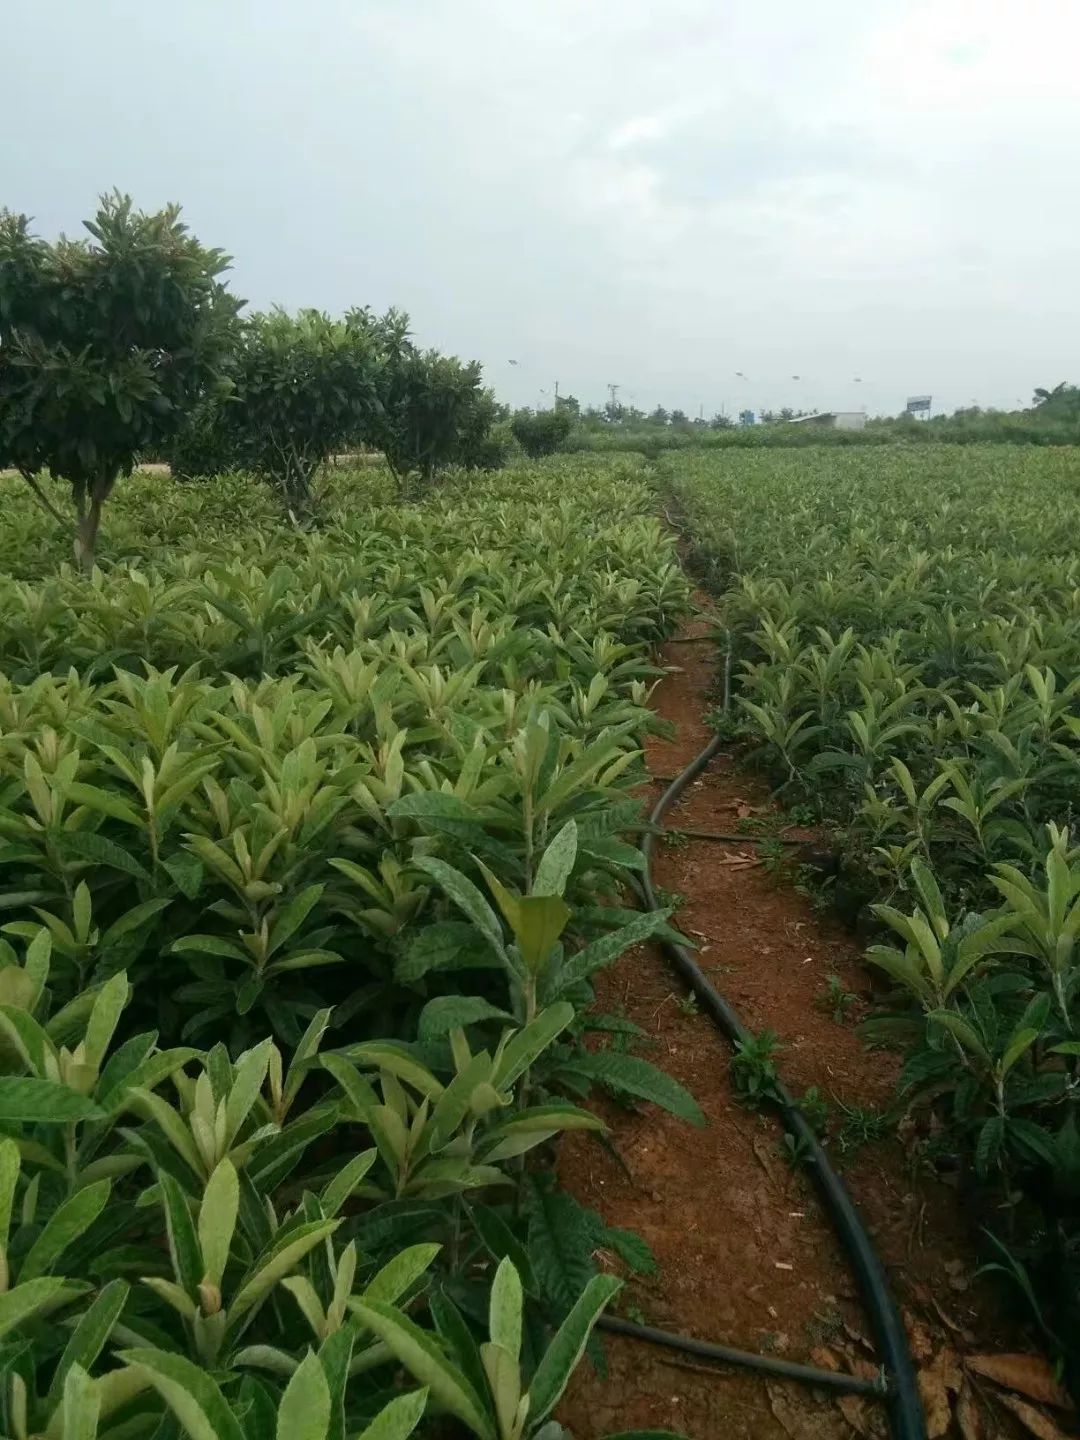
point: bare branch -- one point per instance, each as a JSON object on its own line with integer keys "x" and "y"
{"x": 43, "y": 499}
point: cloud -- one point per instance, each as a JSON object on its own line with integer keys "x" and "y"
{"x": 659, "y": 195}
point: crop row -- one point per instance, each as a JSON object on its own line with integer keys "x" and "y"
{"x": 310, "y": 843}
{"x": 906, "y": 627}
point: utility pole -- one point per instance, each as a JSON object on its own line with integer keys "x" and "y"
{"x": 556, "y": 406}
{"x": 613, "y": 390}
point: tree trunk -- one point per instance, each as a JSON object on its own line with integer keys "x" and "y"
{"x": 86, "y": 533}
{"x": 88, "y": 520}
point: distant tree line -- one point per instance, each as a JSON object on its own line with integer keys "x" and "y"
{"x": 1053, "y": 418}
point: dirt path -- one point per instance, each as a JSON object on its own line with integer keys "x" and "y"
{"x": 745, "y": 1255}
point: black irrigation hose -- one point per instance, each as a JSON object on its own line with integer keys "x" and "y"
{"x": 745, "y": 1359}
{"x": 901, "y": 1390}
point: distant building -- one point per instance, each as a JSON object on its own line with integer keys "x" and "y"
{"x": 833, "y": 419}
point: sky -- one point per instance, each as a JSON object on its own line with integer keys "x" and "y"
{"x": 880, "y": 199}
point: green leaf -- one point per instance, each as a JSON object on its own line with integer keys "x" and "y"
{"x": 249, "y": 1073}
{"x": 388, "y": 1055}
{"x": 446, "y": 945}
{"x": 963, "y": 1029}
{"x": 81, "y": 1405}
{"x": 399, "y": 1419}
{"x": 304, "y": 1412}
{"x": 431, "y": 805}
{"x": 504, "y": 1382}
{"x": 42, "y": 1102}
{"x": 453, "y": 1012}
{"x": 10, "y": 1165}
{"x": 289, "y": 919}
{"x": 537, "y": 921}
{"x": 89, "y": 1337}
{"x": 183, "y": 1242}
{"x": 187, "y": 871}
{"x": 605, "y": 950}
{"x": 531, "y": 1042}
{"x": 169, "y": 1121}
{"x": 401, "y": 1273}
{"x": 67, "y": 1223}
{"x": 504, "y": 1310}
{"x": 358, "y": 1090}
{"x": 340, "y": 1186}
{"x": 208, "y": 945}
{"x": 104, "y": 1017}
{"x": 30, "y": 1298}
{"x": 103, "y": 803}
{"x": 89, "y": 846}
{"x": 269, "y": 1269}
{"x": 190, "y": 1393}
{"x": 557, "y": 862}
{"x": 566, "y": 1349}
{"x": 630, "y": 1075}
{"x": 466, "y": 897}
{"x": 146, "y": 1075}
{"x": 29, "y": 1041}
{"x": 501, "y": 1241}
{"x": 132, "y": 920}
{"x": 425, "y": 1361}
{"x": 217, "y": 1219}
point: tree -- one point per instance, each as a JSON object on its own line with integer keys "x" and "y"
{"x": 659, "y": 416}
{"x": 540, "y": 432}
{"x": 304, "y": 387}
{"x": 720, "y": 421}
{"x": 105, "y": 345}
{"x": 679, "y": 417}
{"x": 570, "y": 403}
{"x": 1062, "y": 402}
{"x": 430, "y": 410}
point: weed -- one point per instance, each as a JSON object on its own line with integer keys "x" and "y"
{"x": 754, "y": 1075}
{"x": 836, "y": 1001}
{"x": 669, "y": 899}
{"x": 861, "y": 1125}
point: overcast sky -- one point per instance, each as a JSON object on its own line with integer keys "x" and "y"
{"x": 656, "y": 193}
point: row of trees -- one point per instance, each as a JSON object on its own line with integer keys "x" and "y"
{"x": 129, "y": 344}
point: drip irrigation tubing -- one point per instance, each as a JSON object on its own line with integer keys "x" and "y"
{"x": 899, "y": 1389}
{"x": 745, "y": 1359}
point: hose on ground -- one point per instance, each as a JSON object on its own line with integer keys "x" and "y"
{"x": 745, "y": 1359}
{"x": 900, "y": 1390}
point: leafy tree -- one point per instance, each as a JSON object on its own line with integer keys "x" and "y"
{"x": 679, "y": 417}
{"x": 570, "y": 403}
{"x": 304, "y": 386}
{"x": 540, "y": 432}
{"x": 431, "y": 410}
{"x": 659, "y": 416}
{"x": 1062, "y": 402}
{"x": 105, "y": 345}
{"x": 720, "y": 421}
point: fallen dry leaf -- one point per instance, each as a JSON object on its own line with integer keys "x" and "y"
{"x": 919, "y": 1338}
{"x": 800, "y": 1420}
{"x": 937, "y": 1381}
{"x": 824, "y": 1358}
{"x": 864, "y": 1416}
{"x": 968, "y": 1419}
{"x": 936, "y": 1406}
{"x": 1040, "y": 1425}
{"x": 1031, "y": 1375}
